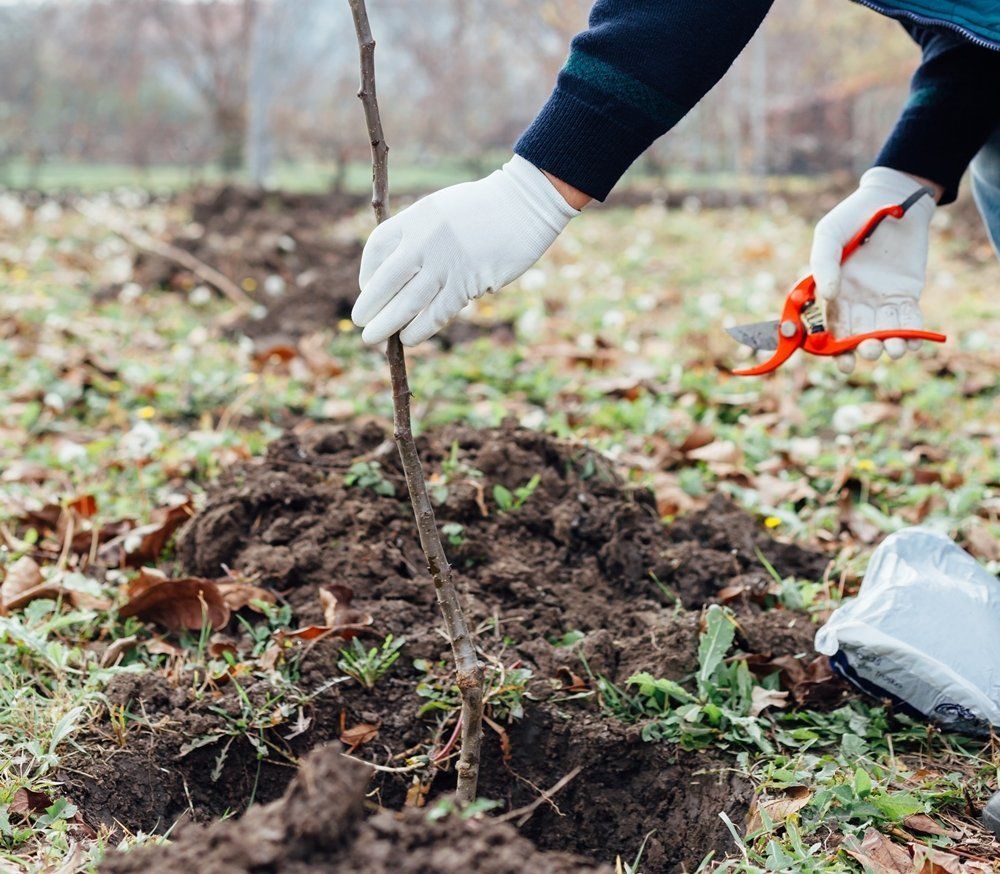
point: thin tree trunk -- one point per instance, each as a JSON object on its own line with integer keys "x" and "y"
{"x": 469, "y": 672}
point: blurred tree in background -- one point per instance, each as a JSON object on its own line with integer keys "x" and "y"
{"x": 246, "y": 85}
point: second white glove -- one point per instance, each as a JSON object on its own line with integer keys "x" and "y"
{"x": 879, "y": 287}
{"x": 420, "y": 268}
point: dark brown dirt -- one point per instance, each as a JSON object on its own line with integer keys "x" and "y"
{"x": 319, "y": 825}
{"x": 580, "y": 555}
{"x": 301, "y": 270}
{"x": 269, "y": 237}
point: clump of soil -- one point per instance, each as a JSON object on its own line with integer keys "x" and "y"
{"x": 319, "y": 825}
{"x": 584, "y": 553}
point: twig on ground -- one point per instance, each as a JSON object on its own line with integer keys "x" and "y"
{"x": 141, "y": 240}
{"x": 469, "y": 672}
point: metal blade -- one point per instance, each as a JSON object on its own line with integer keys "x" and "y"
{"x": 759, "y": 335}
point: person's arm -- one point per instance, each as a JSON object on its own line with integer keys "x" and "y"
{"x": 631, "y": 76}
{"x": 636, "y": 71}
{"x": 953, "y": 108}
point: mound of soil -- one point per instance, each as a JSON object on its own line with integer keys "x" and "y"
{"x": 584, "y": 553}
{"x": 283, "y": 248}
{"x": 319, "y": 825}
{"x": 303, "y": 274}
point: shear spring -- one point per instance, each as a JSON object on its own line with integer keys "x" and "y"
{"x": 812, "y": 316}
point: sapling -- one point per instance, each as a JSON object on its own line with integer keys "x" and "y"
{"x": 469, "y": 671}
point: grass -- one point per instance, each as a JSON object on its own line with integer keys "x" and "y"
{"x": 130, "y": 400}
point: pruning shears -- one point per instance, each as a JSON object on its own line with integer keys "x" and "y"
{"x": 802, "y": 324}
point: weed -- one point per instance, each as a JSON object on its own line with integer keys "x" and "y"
{"x": 508, "y": 501}
{"x": 368, "y": 475}
{"x": 454, "y": 531}
{"x": 504, "y": 692}
{"x": 371, "y": 665}
{"x": 453, "y": 470}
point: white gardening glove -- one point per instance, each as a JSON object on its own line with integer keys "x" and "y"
{"x": 879, "y": 286}
{"x": 421, "y": 267}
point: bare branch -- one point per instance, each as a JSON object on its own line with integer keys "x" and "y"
{"x": 469, "y": 671}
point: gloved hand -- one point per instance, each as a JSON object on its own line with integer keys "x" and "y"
{"x": 879, "y": 286}
{"x": 421, "y": 267}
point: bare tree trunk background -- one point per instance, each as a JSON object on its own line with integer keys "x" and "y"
{"x": 469, "y": 672}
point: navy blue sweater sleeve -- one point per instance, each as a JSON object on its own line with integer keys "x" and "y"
{"x": 630, "y": 77}
{"x": 953, "y": 108}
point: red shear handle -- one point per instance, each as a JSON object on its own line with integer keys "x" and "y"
{"x": 824, "y": 343}
{"x": 861, "y": 237}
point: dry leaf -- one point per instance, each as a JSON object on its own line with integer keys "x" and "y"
{"x": 85, "y": 506}
{"x": 26, "y": 472}
{"x": 778, "y": 809}
{"x": 159, "y": 646}
{"x": 238, "y": 594}
{"x": 358, "y": 735}
{"x": 340, "y": 619}
{"x": 570, "y": 682}
{"x": 717, "y": 452}
{"x": 810, "y": 683}
{"x": 879, "y": 855}
{"x": 699, "y": 436}
{"x": 184, "y": 603}
{"x": 920, "y": 822}
{"x": 145, "y": 543}
{"x": 761, "y": 699}
{"x": 116, "y": 649}
{"x": 978, "y": 540}
{"x": 416, "y": 795}
{"x": 930, "y": 860}
{"x": 26, "y": 802}
{"x": 24, "y": 583}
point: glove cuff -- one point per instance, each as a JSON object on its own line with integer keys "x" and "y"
{"x": 897, "y": 187}
{"x": 534, "y": 186}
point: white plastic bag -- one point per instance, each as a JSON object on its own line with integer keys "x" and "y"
{"x": 924, "y": 630}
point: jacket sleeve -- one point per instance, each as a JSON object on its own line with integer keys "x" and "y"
{"x": 953, "y": 108}
{"x": 630, "y": 77}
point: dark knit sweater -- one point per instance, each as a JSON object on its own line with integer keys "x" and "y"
{"x": 643, "y": 64}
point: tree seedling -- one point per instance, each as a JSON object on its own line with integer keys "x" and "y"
{"x": 468, "y": 669}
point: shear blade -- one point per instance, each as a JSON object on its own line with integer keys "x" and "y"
{"x": 759, "y": 335}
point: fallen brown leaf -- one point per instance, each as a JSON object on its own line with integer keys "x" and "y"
{"x": 339, "y": 618}
{"x": 176, "y": 604}
{"x": 761, "y": 699}
{"x": 145, "y": 543}
{"x": 116, "y": 649}
{"x": 416, "y": 795}
{"x": 238, "y": 594}
{"x": 978, "y": 540}
{"x": 26, "y": 802}
{"x": 778, "y": 808}
{"x": 812, "y": 682}
{"x": 85, "y": 506}
{"x": 358, "y": 735}
{"x": 879, "y": 855}
{"x": 718, "y": 452}
{"x": 570, "y": 682}
{"x": 25, "y": 583}
{"x": 920, "y": 822}
{"x": 930, "y": 860}
{"x": 26, "y": 472}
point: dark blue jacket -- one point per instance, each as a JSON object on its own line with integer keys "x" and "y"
{"x": 643, "y": 64}
{"x": 977, "y": 21}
